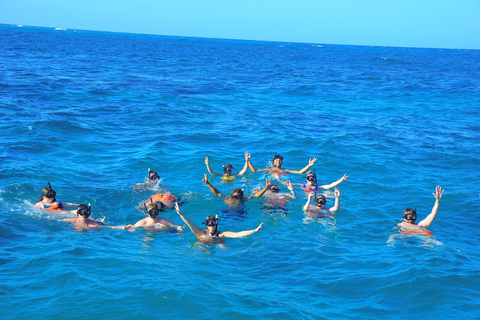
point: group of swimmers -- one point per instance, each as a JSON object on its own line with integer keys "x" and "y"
{"x": 158, "y": 202}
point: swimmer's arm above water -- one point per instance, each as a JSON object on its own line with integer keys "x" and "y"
{"x": 261, "y": 192}
{"x": 229, "y": 234}
{"x": 334, "y": 184}
{"x": 212, "y": 188}
{"x": 207, "y": 163}
{"x": 337, "y": 201}
{"x": 311, "y": 162}
{"x": 196, "y": 230}
{"x": 252, "y": 168}
{"x": 429, "y": 219}
{"x": 309, "y": 199}
{"x": 245, "y": 167}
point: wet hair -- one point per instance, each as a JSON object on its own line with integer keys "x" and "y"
{"x": 277, "y": 156}
{"x": 310, "y": 174}
{"x": 320, "y": 200}
{"x": 152, "y": 175}
{"x": 227, "y": 167}
{"x": 48, "y": 192}
{"x": 237, "y": 191}
{"x": 274, "y": 188}
{"x": 410, "y": 214}
{"x": 84, "y": 210}
{"x": 215, "y": 223}
{"x": 154, "y": 208}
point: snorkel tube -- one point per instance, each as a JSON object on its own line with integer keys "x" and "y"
{"x": 49, "y": 192}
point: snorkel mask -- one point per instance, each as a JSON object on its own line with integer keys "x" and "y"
{"x": 237, "y": 193}
{"x": 227, "y": 168}
{"x": 48, "y": 192}
{"x": 277, "y": 156}
{"x": 155, "y": 209}
{"x": 410, "y": 215}
{"x": 152, "y": 175}
{"x": 311, "y": 176}
{"x": 274, "y": 188}
{"x": 210, "y": 221}
{"x": 84, "y": 211}
{"x": 320, "y": 200}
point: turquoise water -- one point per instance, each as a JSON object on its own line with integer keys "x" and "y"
{"x": 92, "y": 111}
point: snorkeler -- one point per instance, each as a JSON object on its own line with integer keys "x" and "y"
{"x": 312, "y": 184}
{"x": 410, "y": 215}
{"x": 409, "y": 228}
{"x": 83, "y": 219}
{"x": 237, "y": 194}
{"x": 277, "y": 166}
{"x": 154, "y": 220}
{"x": 274, "y": 199}
{"x": 320, "y": 202}
{"x": 212, "y": 234}
{"x": 48, "y": 201}
{"x": 168, "y": 199}
{"x": 228, "y": 169}
{"x": 152, "y": 181}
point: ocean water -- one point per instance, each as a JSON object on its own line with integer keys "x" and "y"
{"x": 90, "y": 112}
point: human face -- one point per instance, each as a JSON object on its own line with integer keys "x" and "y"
{"x": 277, "y": 162}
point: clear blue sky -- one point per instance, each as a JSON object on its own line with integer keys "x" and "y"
{"x": 403, "y": 23}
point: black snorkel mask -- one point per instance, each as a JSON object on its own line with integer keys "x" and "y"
{"x": 411, "y": 216}
{"x": 152, "y": 175}
{"x": 51, "y": 194}
{"x": 227, "y": 168}
{"x": 312, "y": 176}
{"x": 274, "y": 188}
{"x": 211, "y": 222}
{"x": 277, "y": 156}
{"x": 154, "y": 211}
{"x": 320, "y": 200}
{"x": 84, "y": 211}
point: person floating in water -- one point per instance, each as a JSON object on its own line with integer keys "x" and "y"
{"x": 83, "y": 219}
{"x": 237, "y": 196}
{"x": 228, "y": 169}
{"x": 319, "y": 210}
{"x": 154, "y": 221}
{"x": 168, "y": 199}
{"x": 274, "y": 199}
{"x": 152, "y": 181}
{"x": 312, "y": 184}
{"x": 409, "y": 226}
{"x": 277, "y": 166}
{"x": 48, "y": 201}
{"x": 212, "y": 234}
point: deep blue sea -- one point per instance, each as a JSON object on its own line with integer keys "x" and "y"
{"x": 90, "y": 112}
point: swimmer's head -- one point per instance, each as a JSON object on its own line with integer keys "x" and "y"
{"x": 84, "y": 210}
{"x": 152, "y": 176}
{"x": 154, "y": 208}
{"x": 277, "y": 160}
{"x": 228, "y": 168}
{"x": 320, "y": 200}
{"x": 237, "y": 193}
{"x": 48, "y": 192}
{"x": 410, "y": 215}
{"x": 212, "y": 223}
{"x": 274, "y": 188}
{"x": 311, "y": 177}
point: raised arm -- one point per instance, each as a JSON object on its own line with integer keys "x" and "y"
{"x": 196, "y": 230}
{"x": 207, "y": 163}
{"x": 307, "y": 205}
{"x": 212, "y": 188}
{"x": 336, "y": 183}
{"x": 250, "y": 165}
{"x": 261, "y": 192}
{"x": 311, "y": 162}
{"x": 290, "y": 187}
{"x": 429, "y": 219}
{"x": 245, "y": 167}
{"x": 337, "y": 201}
{"x": 229, "y": 234}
